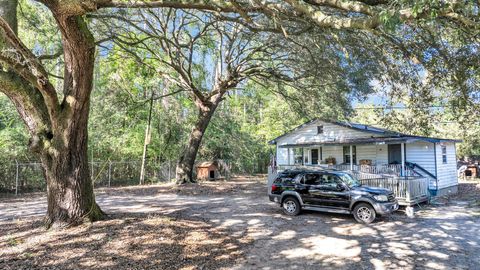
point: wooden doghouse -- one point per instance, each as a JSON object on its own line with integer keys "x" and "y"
{"x": 471, "y": 171}
{"x": 208, "y": 170}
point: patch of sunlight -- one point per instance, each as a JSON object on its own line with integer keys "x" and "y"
{"x": 438, "y": 233}
{"x": 285, "y": 235}
{"x": 451, "y": 245}
{"x": 221, "y": 210}
{"x": 356, "y": 230}
{"x": 254, "y": 221}
{"x": 437, "y": 254}
{"x": 256, "y": 214}
{"x": 378, "y": 264}
{"x": 448, "y": 226}
{"x": 325, "y": 246}
{"x": 400, "y": 249}
{"x": 231, "y": 222}
{"x": 471, "y": 243}
{"x": 98, "y": 236}
{"x": 435, "y": 265}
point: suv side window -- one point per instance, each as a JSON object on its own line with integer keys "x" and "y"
{"x": 311, "y": 179}
{"x": 329, "y": 181}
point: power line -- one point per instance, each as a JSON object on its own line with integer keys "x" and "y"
{"x": 437, "y": 122}
{"x": 401, "y": 107}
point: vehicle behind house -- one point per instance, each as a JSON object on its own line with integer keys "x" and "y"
{"x": 330, "y": 191}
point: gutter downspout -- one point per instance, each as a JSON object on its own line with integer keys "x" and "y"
{"x": 351, "y": 158}
{"x": 402, "y": 150}
{"x": 436, "y": 172}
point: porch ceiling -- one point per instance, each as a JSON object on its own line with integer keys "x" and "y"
{"x": 374, "y": 140}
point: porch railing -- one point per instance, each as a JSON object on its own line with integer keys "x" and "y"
{"x": 407, "y": 191}
{"x": 386, "y": 169}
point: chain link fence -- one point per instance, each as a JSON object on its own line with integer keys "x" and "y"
{"x": 20, "y": 177}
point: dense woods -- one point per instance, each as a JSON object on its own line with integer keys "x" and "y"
{"x": 218, "y": 78}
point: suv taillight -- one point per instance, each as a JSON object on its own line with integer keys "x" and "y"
{"x": 274, "y": 187}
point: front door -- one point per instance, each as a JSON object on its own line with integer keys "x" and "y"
{"x": 394, "y": 154}
{"x": 314, "y": 153}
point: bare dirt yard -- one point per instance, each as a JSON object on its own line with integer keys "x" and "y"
{"x": 232, "y": 225}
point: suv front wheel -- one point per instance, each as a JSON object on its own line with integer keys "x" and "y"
{"x": 364, "y": 213}
{"x": 291, "y": 206}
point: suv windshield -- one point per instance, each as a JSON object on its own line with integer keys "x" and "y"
{"x": 349, "y": 180}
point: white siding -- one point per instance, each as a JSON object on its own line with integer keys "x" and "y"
{"x": 282, "y": 156}
{"x": 421, "y": 153}
{"x": 378, "y": 154}
{"x": 447, "y": 173}
{"x": 308, "y": 134}
{"x": 333, "y": 151}
{"x": 366, "y": 151}
{"x": 331, "y": 132}
{"x": 381, "y": 154}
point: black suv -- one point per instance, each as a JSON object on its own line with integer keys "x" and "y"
{"x": 330, "y": 191}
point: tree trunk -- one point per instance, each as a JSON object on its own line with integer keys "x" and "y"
{"x": 71, "y": 200}
{"x": 185, "y": 165}
{"x": 58, "y": 131}
{"x": 70, "y": 194}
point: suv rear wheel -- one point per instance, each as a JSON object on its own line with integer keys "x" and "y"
{"x": 291, "y": 206}
{"x": 364, "y": 213}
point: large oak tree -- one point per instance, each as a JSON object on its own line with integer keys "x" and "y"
{"x": 208, "y": 57}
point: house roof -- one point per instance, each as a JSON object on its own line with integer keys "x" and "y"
{"x": 206, "y": 164}
{"x": 388, "y": 135}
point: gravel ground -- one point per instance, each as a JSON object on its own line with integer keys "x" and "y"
{"x": 231, "y": 225}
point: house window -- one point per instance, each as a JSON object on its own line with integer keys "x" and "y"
{"x": 346, "y": 154}
{"x": 319, "y": 129}
{"x": 444, "y": 154}
{"x": 298, "y": 156}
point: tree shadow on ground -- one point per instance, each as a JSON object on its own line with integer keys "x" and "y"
{"x": 124, "y": 241}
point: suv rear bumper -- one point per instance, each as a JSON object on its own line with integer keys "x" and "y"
{"x": 385, "y": 208}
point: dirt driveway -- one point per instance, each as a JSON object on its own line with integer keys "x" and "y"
{"x": 231, "y": 225}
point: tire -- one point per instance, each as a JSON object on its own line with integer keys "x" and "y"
{"x": 291, "y": 206}
{"x": 364, "y": 213}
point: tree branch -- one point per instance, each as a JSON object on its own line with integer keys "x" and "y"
{"x": 36, "y": 69}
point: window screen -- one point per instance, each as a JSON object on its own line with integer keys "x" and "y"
{"x": 298, "y": 156}
{"x": 346, "y": 154}
{"x": 444, "y": 154}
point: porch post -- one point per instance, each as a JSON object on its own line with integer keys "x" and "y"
{"x": 303, "y": 156}
{"x": 288, "y": 156}
{"x": 402, "y": 149}
{"x": 351, "y": 158}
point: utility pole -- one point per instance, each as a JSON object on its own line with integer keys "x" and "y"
{"x": 147, "y": 141}
{"x": 16, "y": 177}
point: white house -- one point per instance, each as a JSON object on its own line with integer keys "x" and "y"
{"x": 415, "y": 167}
